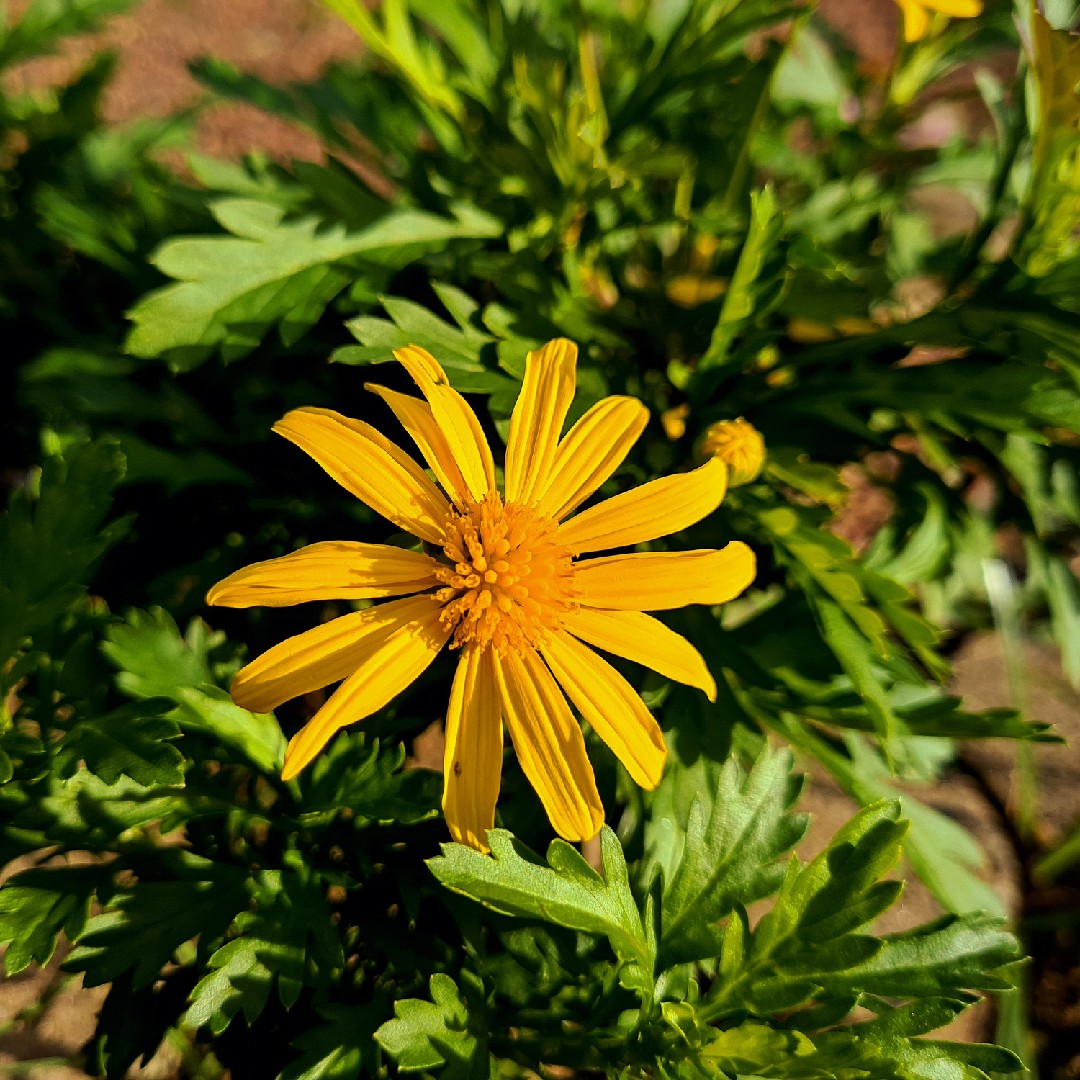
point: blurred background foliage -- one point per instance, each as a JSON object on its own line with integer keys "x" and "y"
{"x": 733, "y": 215}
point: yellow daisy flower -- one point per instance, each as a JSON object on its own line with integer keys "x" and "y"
{"x": 917, "y": 13}
{"x": 503, "y": 583}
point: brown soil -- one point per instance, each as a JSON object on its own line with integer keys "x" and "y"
{"x": 278, "y": 40}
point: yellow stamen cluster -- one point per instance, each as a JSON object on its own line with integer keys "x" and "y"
{"x": 508, "y": 580}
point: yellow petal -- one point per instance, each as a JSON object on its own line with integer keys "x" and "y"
{"x": 323, "y": 655}
{"x": 655, "y": 509}
{"x": 635, "y": 636}
{"x": 464, "y": 436}
{"x": 387, "y": 667}
{"x": 658, "y": 580}
{"x": 610, "y": 704}
{"x": 332, "y": 570}
{"x": 961, "y": 9}
{"x": 591, "y": 451}
{"x": 548, "y": 743}
{"x": 371, "y": 467}
{"x": 472, "y": 763}
{"x": 416, "y": 418}
{"x": 916, "y": 19}
{"x": 539, "y": 415}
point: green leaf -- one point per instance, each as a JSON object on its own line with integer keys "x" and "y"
{"x": 855, "y": 656}
{"x": 467, "y": 37}
{"x": 232, "y": 289}
{"x": 49, "y": 545}
{"x": 1049, "y": 483}
{"x": 886, "y": 1046}
{"x": 273, "y": 946}
{"x": 430, "y": 1034}
{"x": 1055, "y": 179}
{"x": 395, "y": 42}
{"x": 756, "y": 286}
{"x": 85, "y": 813}
{"x": 810, "y": 931}
{"x": 1021, "y": 397}
{"x": 130, "y": 741}
{"x": 241, "y": 976}
{"x": 156, "y": 662}
{"x": 756, "y": 1049}
{"x": 142, "y": 927}
{"x": 894, "y": 601}
{"x": 457, "y": 348}
{"x": 942, "y": 958}
{"x": 812, "y": 950}
{"x": 823, "y": 565}
{"x": 37, "y": 906}
{"x": 567, "y": 891}
{"x": 339, "y": 1049}
{"x": 1051, "y": 576}
{"x": 791, "y": 466}
{"x": 132, "y": 1023}
{"x": 808, "y": 74}
{"x": 947, "y": 859}
{"x": 943, "y": 854}
{"x": 855, "y": 608}
{"x": 411, "y": 325}
{"x": 832, "y": 894}
{"x": 929, "y": 713}
{"x": 941, "y": 851}
{"x": 370, "y": 781}
{"x": 463, "y": 310}
{"x": 726, "y": 853}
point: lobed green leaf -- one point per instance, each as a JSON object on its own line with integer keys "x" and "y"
{"x": 567, "y": 891}
{"x": 232, "y": 289}
{"x": 726, "y": 854}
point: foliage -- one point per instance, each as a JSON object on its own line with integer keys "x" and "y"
{"x": 733, "y": 216}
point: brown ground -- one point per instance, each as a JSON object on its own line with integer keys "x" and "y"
{"x": 283, "y": 40}
{"x": 279, "y": 40}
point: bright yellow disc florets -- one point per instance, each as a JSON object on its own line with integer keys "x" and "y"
{"x": 508, "y": 580}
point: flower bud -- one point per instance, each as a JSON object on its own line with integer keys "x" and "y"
{"x": 673, "y": 421}
{"x": 739, "y": 445}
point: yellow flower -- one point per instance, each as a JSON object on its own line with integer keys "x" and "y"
{"x": 739, "y": 445}
{"x": 503, "y": 584}
{"x": 917, "y": 13}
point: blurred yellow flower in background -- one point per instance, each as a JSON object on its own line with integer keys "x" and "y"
{"x": 501, "y": 580}
{"x": 917, "y": 13}
{"x": 739, "y": 445}
{"x": 673, "y": 421}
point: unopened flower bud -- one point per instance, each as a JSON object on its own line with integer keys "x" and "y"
{"x": 673, "y": 421}
{"x": 739, "y": 445}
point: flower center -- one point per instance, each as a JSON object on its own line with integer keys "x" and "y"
{"x": 508, "y": 580}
